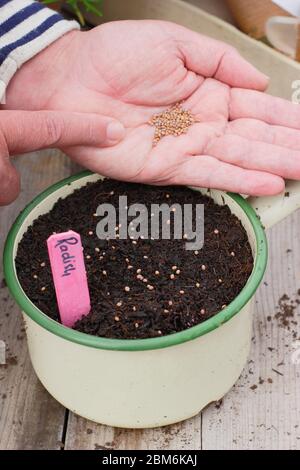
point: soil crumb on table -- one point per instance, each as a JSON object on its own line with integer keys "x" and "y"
{"x": 187, "y": 287}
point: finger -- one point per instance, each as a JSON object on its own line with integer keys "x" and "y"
{"x": 255, "y": 155}
{"x": 212, "y": 58}
{"x": 120, "y": 162}
{"x": 208, "y": 172}
{"x": 9, "y": 180}
{"x": 25, "y": 131}
{"x": 202, "y": 171}
{"x": 259, "y": 130}
{"x": 256, "y": 105}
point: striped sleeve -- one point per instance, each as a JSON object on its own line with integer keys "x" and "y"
{"x": 26, "y": 28}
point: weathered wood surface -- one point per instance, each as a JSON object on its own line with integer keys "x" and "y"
{"x": 266, "y": 417}
{"x": 261, "y": 412}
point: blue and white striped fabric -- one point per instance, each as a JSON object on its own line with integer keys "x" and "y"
{"x": 26, "y": 28}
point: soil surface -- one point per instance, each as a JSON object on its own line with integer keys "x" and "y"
{"x": 140, "y": 288}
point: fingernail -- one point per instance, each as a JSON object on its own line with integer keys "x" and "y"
{"x": 115, "y": 131}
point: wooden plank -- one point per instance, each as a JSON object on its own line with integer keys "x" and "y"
{"x": 266, "y": 417}
{"x": 83, "y": 434}
{"x": 29, "y": 417}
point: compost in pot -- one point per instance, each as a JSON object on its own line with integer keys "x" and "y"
{"x": 140, "y": 288}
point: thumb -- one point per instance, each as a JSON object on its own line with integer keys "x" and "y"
{"x": 211, "y": 58}
{"x": 26, "y": 131}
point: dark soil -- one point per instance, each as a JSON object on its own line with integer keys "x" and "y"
{"x": 208, "y": 279}
{"x": 287, "y": 311}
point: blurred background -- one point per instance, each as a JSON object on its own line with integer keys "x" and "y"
{"x": 275, "y": 22}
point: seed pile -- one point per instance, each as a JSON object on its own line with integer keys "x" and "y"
{"x": 174, "y": 121}
{"x": 140, "y": 288}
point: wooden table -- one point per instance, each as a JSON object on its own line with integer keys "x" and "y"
{"x": 262, "y": 411}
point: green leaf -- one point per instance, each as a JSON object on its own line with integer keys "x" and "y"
{"x": 93, "y": 6}
{"x": 48, "y": 1}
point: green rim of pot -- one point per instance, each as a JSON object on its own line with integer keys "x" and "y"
{"x": 131, "y": 344}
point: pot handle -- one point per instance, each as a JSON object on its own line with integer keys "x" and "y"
{"x": 273, "y": 209}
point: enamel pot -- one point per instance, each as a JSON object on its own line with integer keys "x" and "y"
{"x": 148, "y": 382}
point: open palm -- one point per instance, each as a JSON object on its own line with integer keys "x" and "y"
{"x": 244, "y": 140}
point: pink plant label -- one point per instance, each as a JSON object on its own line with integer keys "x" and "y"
{"x": 69, "y": 276}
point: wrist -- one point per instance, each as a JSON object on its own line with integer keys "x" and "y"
{"x": 33, "y": 84}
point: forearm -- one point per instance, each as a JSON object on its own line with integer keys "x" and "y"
{"x": 26, "y": 28}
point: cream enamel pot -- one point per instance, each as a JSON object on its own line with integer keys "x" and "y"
{"x": 148, "y": 382}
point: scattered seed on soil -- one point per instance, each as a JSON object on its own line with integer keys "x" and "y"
{"x": 160, "y": 311}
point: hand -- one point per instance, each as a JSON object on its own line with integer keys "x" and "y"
{"x": 245, "y": 141}
{"x": 24, "y": 131}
